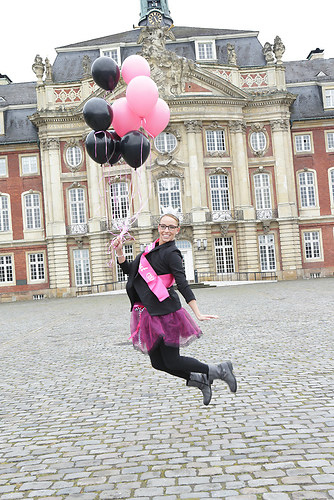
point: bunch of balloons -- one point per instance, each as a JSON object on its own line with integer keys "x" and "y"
{"x": 141, "y": 108}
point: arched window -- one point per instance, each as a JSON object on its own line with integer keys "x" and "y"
{"x": 219, "y": 190}
{"x": 307, "y": 189}
{"x": 258, "y": 141}
{"x": 119, "y": 199}
{"x": 4, "y": 213}
{"x": 77, "y": 206}
{"x": 169, "y": 189}
{"x": 74, "y": 156}
{"x": 32, "y": 209}
{"x": 165, "y": 142}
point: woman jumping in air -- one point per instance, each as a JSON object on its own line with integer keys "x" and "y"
{"x": 159, "y": 324}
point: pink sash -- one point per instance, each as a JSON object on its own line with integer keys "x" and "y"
{"x": 157, "y": 284}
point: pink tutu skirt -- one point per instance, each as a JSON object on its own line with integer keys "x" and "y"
{"x": 176, "y": 328}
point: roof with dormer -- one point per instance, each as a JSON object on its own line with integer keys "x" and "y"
{"x": 18, "y": 103}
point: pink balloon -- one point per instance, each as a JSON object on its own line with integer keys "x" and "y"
{"x": 124, "y": 120}
{"x": 135, "y": 66}
{"x": 142, "y": 95}
{"x": 158, "y": 119}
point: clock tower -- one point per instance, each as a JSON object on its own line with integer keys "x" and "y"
{"x": 154, "y": 13}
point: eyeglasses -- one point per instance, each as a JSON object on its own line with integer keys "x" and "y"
{"x": 170, "y": 228}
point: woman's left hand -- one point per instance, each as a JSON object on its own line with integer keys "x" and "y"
{"x": 205, "y": 317}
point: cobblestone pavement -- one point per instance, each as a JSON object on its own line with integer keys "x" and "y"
{"x": 83, "y": 415}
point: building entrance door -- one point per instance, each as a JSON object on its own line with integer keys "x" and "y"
{"x": 187, "y": 253}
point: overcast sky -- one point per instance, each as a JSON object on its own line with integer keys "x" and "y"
{"x": 38, "y": 27}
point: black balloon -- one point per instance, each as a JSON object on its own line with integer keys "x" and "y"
{"x": 117, "y": 152}
{"x": 100, "y": 146}
{"x": 98, "y": 114}
{"x": 105, "y": 72}
{"x": 135, "y": 148}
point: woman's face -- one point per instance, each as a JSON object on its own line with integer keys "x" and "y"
{"x": 168, "y": 228}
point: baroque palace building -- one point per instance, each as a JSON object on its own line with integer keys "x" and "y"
{"x": 247, "y": 160}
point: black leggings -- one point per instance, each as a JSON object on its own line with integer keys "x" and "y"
{"x": 167, "y": 359}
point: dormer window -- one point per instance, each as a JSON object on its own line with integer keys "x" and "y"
{"x": 113, "y": 52}
{"x": 329, "y": 98}
{"x": 205, "y": 50}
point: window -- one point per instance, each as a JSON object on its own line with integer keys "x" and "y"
{"x": 215, "y": 140}
{"x": 4, "y": 213}
{"x": 32, "y": 211}
{"x": 331, "y": 184}
{"x": 114, "y": 53}
{"x": 2, "y": 122}
{"x": 29, "y": 165}
{"x": 6, "y": 269}
{"x": 128, "y": 253}
{"x": 329, "y": 98}
{"x": 119, "y": 198}
{"x": 303, "y": 143}
{"x": 36, "y": 267}
{"x": 74, "y": 156}
{"x": 330, "y": 141}
{"x": 267, "y": 252}
{"x": 262, "y": 191}
{"x": 81, "y": 267}
{"x": 307, "y": 189}
{"x": 224, "y": 255}
{"x": 3, "y": 167}
{"x": 205, "y": 51}
{"x": 258, "y": 141}
{"x": 169, "y": 194}
{"x": 165, "y": 142}
{"x": 312, "y": 245}
{"x": 219, "y": 192}
{"x": 77, "y": 206}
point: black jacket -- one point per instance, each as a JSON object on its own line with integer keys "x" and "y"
{"x": 165, "y": 259}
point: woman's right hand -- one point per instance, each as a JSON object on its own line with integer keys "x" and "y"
{"x": 118, "y": 246}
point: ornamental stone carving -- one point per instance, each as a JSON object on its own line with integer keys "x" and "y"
{"x": 268, "y": 53}
{"x": 48, "y": 70}
{"x": 168, "y": 70}
{"x": 236, "y": 126}
{"x": 279, "y": 49}
{"x": 218, "y": 171}
{"x": 266, "y": 226}
{"x": 38, "y": 68}
{"x": 185, "y": 233}
{"x": 170, "y": 161}
{"x": 193, "y": 126}
{"x": 86, "y": 66}
{"x": 224, "y": 229}
{"x": 257, "y": 127}
{"x": 231, "y": 55}
{"x": 281, "y": 124}
{"x": 50, "y": 143}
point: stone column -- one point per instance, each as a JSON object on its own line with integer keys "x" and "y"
{"x": 286, "y": 199}
{"x": 54, "y": 216}
{"x": 95, "y": 195}
{"x": 194, "y": 129}
{"x": 143, "y": 189}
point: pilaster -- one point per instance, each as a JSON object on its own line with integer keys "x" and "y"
{"x": 248, "y": 253}
{"x": 195, "y": 160}
{"x": 58, "y": 265}
{"x": 290, "y": 249}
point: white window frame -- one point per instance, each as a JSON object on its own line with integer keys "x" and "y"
{"x": 219, "y": 193}
{"x": 307, "y": 189}
{"x": 2, "y": 123}
{"x": 331, "y": 185}
{"x": 262, "y": 191}
{"x": 36, "y": 266}
{"x": 215, "y": 141}
{"x": 128, "y": 253}
{"x": 328, "y": 97}
{"x": 267, "y": 252}
{"x": 32, "y": 212}
{"x": 32, "y": 167}
{"x": 71, "y": 156}
{"x": 224, "y": 255}
{"x": 106, "y": 51}
{"x": 7, "y": 262}
{"x": 5, "y": 216}
{"x": 3, "y": 167}
{"x": 258, "y": 141}
{"x": 170, "y": 197}
{"x": 312, "y": 245}
{"x": 303, "y": 143}
{"x": 329, "y": 134}
{"x": 165, "y": 142}
{"x": 82, "y": 269}
{"x": 77, "y": 202}
{"x": 119, "y": 200}
{"x": 205, "y": 44}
